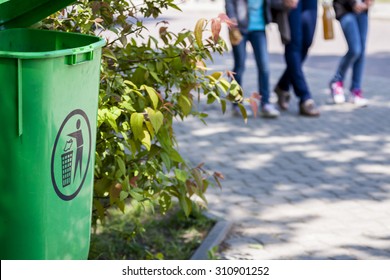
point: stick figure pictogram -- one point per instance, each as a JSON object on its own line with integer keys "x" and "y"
{"x": 78, "y": 135}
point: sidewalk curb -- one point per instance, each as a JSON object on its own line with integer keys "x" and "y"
{"x": 215, "y": 237}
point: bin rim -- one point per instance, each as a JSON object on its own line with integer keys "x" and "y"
{"x": 54, "y": 53}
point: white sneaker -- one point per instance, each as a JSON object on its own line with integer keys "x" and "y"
{"x": 358, "y": 99}
{"x": 269, "y": 111}
{"x": 337, "y": 92}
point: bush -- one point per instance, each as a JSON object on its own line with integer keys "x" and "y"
{"x": 146, "y": 83}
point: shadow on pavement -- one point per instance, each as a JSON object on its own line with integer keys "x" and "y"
{"x": 313, "y": 184}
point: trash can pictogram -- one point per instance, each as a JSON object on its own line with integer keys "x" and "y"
{"x": 67, "y": 159}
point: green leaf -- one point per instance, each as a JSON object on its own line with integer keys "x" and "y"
{"x": 165, "y": 201}
{"x": 130, "y": 83}
{"x": 146, "y": 141}
{"x": 224, "y": 84}
{"x": 133, "y": 146}
{"x": 186, "y": 205}
{"x": 156, "y": 118}
{"x": 175, "y": 156}
{"x": 150, "y": 128}
{"x": 174, "y": 6}
{"x": 127, "y": 105}
{"x": 101, "y": 117}
{"x": 136, "y": 195}
{"x": 125, "y": 126}
{"x": 181, "y": 175}
{"x": 116, "y": 112}
{"x": 123, "y": 195}
{"x": 121, "y": 165}
{"x": 111, "y": 119}
{"x": 198, "y": 178}
{"x": 101, "y": 186}
{"x": 155, "y": 76}
{"x": 181, "y": 37}
{"x": 108, "y": 53}
{"x": 210, "y": 98}
{"x": 166, "y": 159}
{"x": 223, "y": 105}
{"x": 139, "y": 76}
{"x": 121, "y": 205}
{"x": 198, "y": 31}
{"x": 185, "y": 104}
{"x": 152, "y": 94}
{"x": 215, "y": 76}
{"x": 136, "y": 122}
{"x": 159, "y": 66}
{"x": 99, "y": 208}
{"x": 243, "y": 112}
{"x": 164, "y": 138}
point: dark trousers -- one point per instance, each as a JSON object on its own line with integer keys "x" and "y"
{"x": 258, "y": 41}
{"x": 302, "y": 21}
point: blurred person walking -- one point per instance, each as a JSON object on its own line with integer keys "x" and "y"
{"x": 251, "y": 16}
{"x": 353, "y": 18}
{"x": 302, "y": 22}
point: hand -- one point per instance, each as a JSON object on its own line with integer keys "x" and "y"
{"x": 291, "y": 4}
{"x": 369, "y": 3}
{"x": 360, "y": 7}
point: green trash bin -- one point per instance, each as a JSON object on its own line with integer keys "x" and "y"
{"x": 48, "y": 110}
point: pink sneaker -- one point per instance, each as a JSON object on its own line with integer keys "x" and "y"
{"x": 337, "y": 91}
{"x": 357, "y": 98}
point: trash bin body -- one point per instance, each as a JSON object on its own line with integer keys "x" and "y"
{"x": 48, "y": 110}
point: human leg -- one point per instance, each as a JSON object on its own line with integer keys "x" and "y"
{"x": 259, "y": 44}
{"x": 309, "y": 22}
{"x": 293, "y": 55}
{"x": 304, "y": 36}
{"x": 239, "y": 56}
{"x": 302, "y": 22}
{"x": 358, "y": 66}
{"x": 350, "y": 29}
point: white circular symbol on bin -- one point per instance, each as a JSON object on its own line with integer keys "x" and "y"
{"x": 71, "y": 155}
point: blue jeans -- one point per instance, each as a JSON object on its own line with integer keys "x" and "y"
{"x": 355, "y": 28}
{"x": 302, "y": 22}
{"x": 258, "y": 41}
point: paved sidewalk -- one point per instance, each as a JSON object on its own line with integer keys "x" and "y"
{"x": 301, "y": 188}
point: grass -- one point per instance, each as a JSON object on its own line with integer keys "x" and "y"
{"x": 141, "y": 234}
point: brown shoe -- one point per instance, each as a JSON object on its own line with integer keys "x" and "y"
{"x": 283, "y": 98}
{"x": 309, "y": 109}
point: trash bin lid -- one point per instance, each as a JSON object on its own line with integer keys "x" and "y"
{"x": 23, "y": 13}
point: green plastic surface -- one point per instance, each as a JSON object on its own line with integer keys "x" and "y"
{"x": 48, "y": 111}
{"x": 23, "y": 13}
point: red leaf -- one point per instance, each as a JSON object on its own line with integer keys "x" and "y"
{"x": 254, "y": 101}
{"x": 163, "y": 30}
{"x": 133, "y": 182}
{"x": 219, "y": 175}
{"x": 215, "y": 28}
{"x": 230, "y": 74}
{"x": 224, "y": 18}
